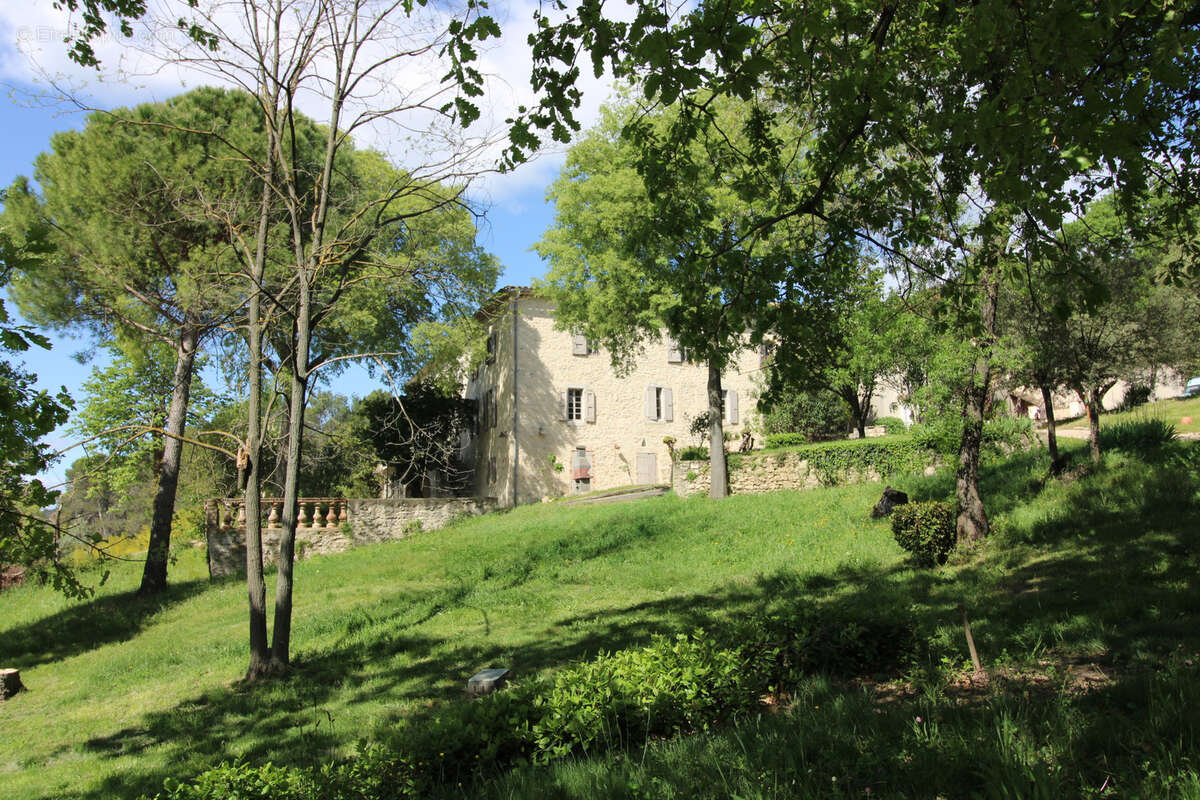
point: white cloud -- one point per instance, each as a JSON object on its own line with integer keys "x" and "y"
{"x": 147, "y": 67}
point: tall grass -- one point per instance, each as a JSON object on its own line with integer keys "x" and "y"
{"x": 1091, "y": 573}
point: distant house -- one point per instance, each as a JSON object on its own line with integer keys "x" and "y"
{"x": 554, "y": 418}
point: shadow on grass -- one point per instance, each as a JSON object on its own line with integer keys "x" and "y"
{"x": 88, "y": 625}
{"x": 1108, "y": 568}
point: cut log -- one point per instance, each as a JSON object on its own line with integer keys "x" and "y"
{"x": 10, "y": 683}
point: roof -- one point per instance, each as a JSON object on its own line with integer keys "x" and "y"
{"x": 494, "y": 304}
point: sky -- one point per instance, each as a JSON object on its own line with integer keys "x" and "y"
{"x": 34, "y": 72}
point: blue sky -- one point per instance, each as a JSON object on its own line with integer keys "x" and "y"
{"x": 32, "y": 57}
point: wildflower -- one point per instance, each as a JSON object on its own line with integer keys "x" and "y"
{"x": 920, "y": 720}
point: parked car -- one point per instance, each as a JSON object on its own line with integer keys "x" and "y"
{"x": 1191, "y": 389}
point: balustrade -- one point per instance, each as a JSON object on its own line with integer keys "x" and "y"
{"x": 312, "y": 512}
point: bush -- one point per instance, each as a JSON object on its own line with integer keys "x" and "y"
{"x": 1000, "y": 434}
{"x": 927, "y": 530}
{"x": 678, "y": 684}
{"x": 266, "y": 782}
{"x": 813, "y": 415}
{"x": 834, "y": 461}
{"x": 893, "y": 425}
{"x": 1136, "y": 435}
{"x": 1138, "y": 394}
{"x": 693, "y": 454}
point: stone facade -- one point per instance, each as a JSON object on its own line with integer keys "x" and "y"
{"x": 756, "y": 473}
{"x": 529, "y": 445}
{"x": 368, "y": 521}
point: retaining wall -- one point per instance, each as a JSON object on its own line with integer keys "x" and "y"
{"x": 369, "y": 521}
{"x": 759, "y": 473}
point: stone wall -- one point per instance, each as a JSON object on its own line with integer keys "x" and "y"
{"x": 369, "y": 521}
{"x": 756, "y": 473}
{"x": 622, "y": 439}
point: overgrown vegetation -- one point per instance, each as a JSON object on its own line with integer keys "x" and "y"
{"x": 809, "y": 596}
{"x": 926, "y": 530}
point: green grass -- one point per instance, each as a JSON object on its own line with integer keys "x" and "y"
{"x": 1172, "y": 411}
{"x": 1097, "y": 567}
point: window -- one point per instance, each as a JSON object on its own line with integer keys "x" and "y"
{"x": 659, "y": 404}
{"x": 577, "y": 405}
{"x": 491, "y": 470}
{"x": 574, "y": 404}
{"x": 491, "y": 347}
{"x": 582, "y": 346}
{"x": 487, "y": 410}
{"x": 675, "y": 353}
{"x": 729, "y": 406}
{"x": 581, "y": 470}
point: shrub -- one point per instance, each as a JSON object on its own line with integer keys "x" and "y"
{"x": 1136, "y": 435}
{"x": 677, "y": 684}
{"x": 814, "y": 415}
{"x": 1137, "y": 394}
{"x": 833, "y": 461}
{"x": 693, "y": 454}
{"x": 673, "y": 685}
{"x": 927, "y": 530}
{"x": 1000, "y": 434}
{"x": 266, "y": 782}
{"x": 893, "y": 425}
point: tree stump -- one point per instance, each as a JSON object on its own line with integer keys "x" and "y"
{"x": 10, "y": 683}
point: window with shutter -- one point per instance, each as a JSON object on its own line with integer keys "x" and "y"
{"x": 574, "y": 404}
{"x": 579, "y": 345}
{"x": 659, "y": 405}
{"x": 674, "y": 351}
{"x": 589, "y": 406}
{"x": 491, "y": 347}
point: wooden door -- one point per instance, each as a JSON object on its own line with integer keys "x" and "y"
{"x": 647, "y": 468}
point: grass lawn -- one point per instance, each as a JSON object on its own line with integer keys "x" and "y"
{"x": 1092, "y": 574}
{"x": 1173, "y": 411}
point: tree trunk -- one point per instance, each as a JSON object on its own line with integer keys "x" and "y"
{"x": 718, "y": 472}
{"x": 154, "y": 574}
{"x": 256, "y": 587}
{"x": 281, "y": 635}
{"x": 1051, "y": 433}
{"x": 972, "y": 523}
{"x": 1092, "y": 402}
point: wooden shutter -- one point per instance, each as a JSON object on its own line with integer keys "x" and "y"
{"x": 674, "y": 352}
{"x": 579, "y": 345}
{"x": 648, "y": 405}
{"x": 562, "y": 406}
{"x": 589, "y": 406}
{"x": 731, "y": 400}
{"x": 668, "y": 406}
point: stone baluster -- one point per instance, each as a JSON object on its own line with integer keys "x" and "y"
{"x": 344, "y": 512}
{"x": 227, "y": 516}
{"x": 241, "y": 515}
{"x": 305, "y": 515}
{"x": 331, "y": 517}
{"x": 273, "y": 518}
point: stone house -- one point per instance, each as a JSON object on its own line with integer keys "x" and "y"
{"x": 555, "y": 419}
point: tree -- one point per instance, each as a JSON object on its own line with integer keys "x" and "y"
{"x": 624, "y": 265}
{"x": 417, "y": 434}
{"x": 360, "y": 235}
{"x": 131, "y": 252}
{"x": 27, "y": 415}
{"x": 942, "y": 113}
{"x": 1099, "y": 315}
{"x": 864, "y": 349}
